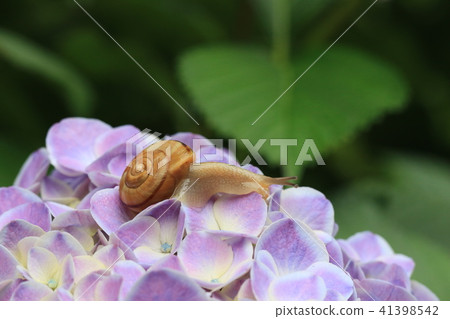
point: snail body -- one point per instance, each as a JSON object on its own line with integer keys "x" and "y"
{"x": 206, "y": 179}
{"x": 165, "y": 170}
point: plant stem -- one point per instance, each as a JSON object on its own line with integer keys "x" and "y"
{"x": 281, "y": 32}
{"x": 281, "y": 42}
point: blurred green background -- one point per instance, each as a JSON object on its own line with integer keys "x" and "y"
{"x": 377, "y": 104}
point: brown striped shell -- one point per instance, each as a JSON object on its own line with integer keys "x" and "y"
{"x": 154, "y": 173}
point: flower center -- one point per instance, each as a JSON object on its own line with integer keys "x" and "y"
{"x": 52, "y": 283}
{"x": 166, "y": 248}
{"x": 215, "y": 281}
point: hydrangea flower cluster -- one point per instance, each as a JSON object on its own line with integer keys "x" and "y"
{"x": 66, "y": 235}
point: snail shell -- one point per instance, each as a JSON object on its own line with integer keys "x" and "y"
{"x": 154, "y": 173}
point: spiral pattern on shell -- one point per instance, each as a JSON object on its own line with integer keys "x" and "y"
{"x": 153, "y": 174}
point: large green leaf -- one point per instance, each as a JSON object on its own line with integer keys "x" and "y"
{"x": 357, "y": 211}
{"x": 414, "y": 192}
{"x": 31, "y": 57}
{"x": 344, "y": 92}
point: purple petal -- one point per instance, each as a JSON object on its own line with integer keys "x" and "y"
{"x": 68, "y": 273}
{"x": 109, "y": 255}
{"x": 31, "y": 291}
{"x": 82, "y": 234}
{"x": 262, "y": 274}
{"x": 292, "y": 246}
{"x": 168, "y": 262}
{"x": 71, "y": 144}
{"x": 16, "y": 230}
{"x": 299, "y": 286}
{"x": 333, "y": 248}
{"x": 421, "y": 292}
{"x": 8, "y": 287}
{"x": 369, "y": 246}
{"x": 379, "y": 290}
{"x": 57, "y": 208}
{"x": 99, "y": 287}
{"x": 245, "y": 293}
{"x": 230, "y": 291}
{"x": 85, "y": 203}
{"x": 171, "y": 217}
{"x": 245, "y": 214}
{"x": 401, "y": 260}
{"x": 354, "y": 270}
{"x": 78, "y": 217}
{"x": 205, "y": 150}
{"x": 108, "y": 210}
{"x": 53, "y": 189}
{"x": 108, "y": 288}
{"x": 13, "y": 196}
{"x": 166, "y": 285}
{"x": 63, "y": 295}
{"x": 112, "y": 138}
{"x": 309, "y": 206}
{"x": 107, "y": 170}
{"x": 35, "y": 213}
{"x": 201, "y": 220}
{"x": 33, "y": 171}
{"x": 335, "y": 279}
{"x": 144, "y": 231}
{"x": 8, "y": 265}
{"x": 392, "y": 273}
{"x": 85, "y": 265}
{"x": 130, "y": 273}
{"x": 61, "y": 244}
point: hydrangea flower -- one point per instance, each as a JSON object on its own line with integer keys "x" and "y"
{"x": 66, "y": 235}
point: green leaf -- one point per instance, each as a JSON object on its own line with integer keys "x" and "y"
{"x": 343, "y": 93}
{"x": 413, "y": 191}
{"x": 31, "y": 57}
{"x": 357, "y": 211}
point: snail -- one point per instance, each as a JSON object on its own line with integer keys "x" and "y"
{"x": 166, "y": 169}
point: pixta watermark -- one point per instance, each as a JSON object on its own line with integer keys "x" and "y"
{"x": 214, "y": 150}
